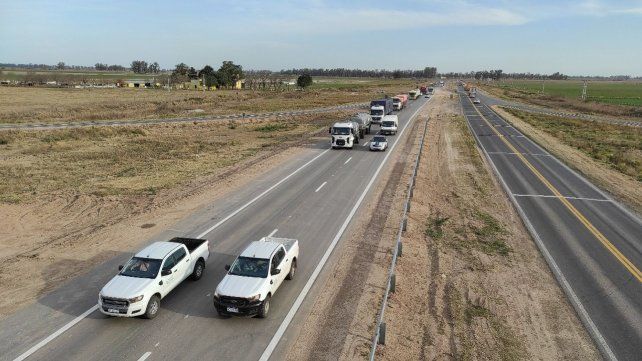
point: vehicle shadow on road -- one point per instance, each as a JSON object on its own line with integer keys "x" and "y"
{"x": 194, "y": 298}
{"x": 80, "y": 293}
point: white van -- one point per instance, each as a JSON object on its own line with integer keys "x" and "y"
{"x": 389, "y": 124}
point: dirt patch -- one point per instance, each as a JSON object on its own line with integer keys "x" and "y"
{"x": 623, "y": 187}
{"x": 76, "y": 201}
{"x": 471, "y": 284}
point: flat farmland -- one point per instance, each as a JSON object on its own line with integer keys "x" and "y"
{"x": 51, "y": 105}
{"x": 611, "y": 92}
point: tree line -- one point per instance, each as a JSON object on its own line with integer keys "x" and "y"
{"x": 499, "y": 74}
{"x": 226, "y": 76}
{"x": 427, "y": 72}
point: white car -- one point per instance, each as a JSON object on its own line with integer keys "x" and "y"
{"x": 150, "y": 275}
{"x": 379, "y": 142}
{"x": 476, "y": 101}
{"x": 255, "y": 276}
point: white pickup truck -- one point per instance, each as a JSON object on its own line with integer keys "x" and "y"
{"x": 152, "y": 274}
{"x": 254, "y": 277}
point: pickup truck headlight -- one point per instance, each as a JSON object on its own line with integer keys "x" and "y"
{"x": 254, "y": 298}
{"x": 136, "y": 299}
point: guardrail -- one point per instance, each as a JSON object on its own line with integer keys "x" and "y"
{"x": 380, "y": 330}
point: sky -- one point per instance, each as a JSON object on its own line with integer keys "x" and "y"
{"x": 576, "y": 37}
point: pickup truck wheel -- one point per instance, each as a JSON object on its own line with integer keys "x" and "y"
{"x": 292, "y": 270}
{"x": 152, "y": 307}
{"x": 199, "y": 267}
{"x": 265, "y": 307}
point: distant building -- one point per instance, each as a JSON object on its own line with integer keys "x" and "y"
{"x": 137, "y": 83}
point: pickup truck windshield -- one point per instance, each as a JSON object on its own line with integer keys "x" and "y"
{"x": 376, "y": 112}
{"x": 388, "y": 124}
{"x": 250, "y": 267}
{"x": 141, "y": 268}
{"x": 341, "y": 131}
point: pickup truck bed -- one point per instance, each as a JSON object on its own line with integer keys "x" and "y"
{"x": 190, "y": 243}
{"x": 288, "y": 243}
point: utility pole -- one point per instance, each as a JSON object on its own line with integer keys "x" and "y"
{"x": 543, "y": 80}
{"x": 584, "y": 94}
{"x": 203, "y": 82}
{"x": 169, "y": 88}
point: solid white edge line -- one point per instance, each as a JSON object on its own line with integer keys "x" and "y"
{"x": 566, "y": 286}
{"x": 346, "y": 162}
{"x": 299, "y": 300}
{"x": 273, "y": 232}
{"x": 145, "y": 356}
{"x": 321, "y": 186}
{"x": 59, "y": 332}
{"x": 64, "y": 328}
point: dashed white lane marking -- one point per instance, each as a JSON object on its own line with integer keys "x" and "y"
{"x": 157, "y": 343}
{"x": 186, "y": 316}
{"x": 209, "y": 294}
{"x": 321, "y": 186}
{"x": 349, "y": 159}
{"x": 145, "y": 356}
{"x": 273, "y": 232}
{"x": 365, "y": 144}
{"x": 552, "y": 196}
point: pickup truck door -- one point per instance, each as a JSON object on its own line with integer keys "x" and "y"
{"x": 181, "y": 265}
{"x": 279, "y": 262}
{"x": 168, "y": 280}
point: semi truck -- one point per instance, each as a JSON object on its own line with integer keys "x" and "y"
{"x": 365, "y": 123}
{"x": 423, "y": 90}
{"x": 344, "y": 134}
{"x": 254, "y": 277}
{"x": 400, "y": 101}
{"x": 150, "y": 275}
{"x": 414, "y": 94}
{"x": 379, "y": 108}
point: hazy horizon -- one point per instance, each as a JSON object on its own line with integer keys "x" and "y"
{"x": 590, "y": 38}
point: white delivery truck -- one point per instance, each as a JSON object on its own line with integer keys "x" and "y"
{"x": 389, "y": 124}
{"x": 344, "y": 134}
{"x": 150, "y": 275}
{"x": 255, "y": 276}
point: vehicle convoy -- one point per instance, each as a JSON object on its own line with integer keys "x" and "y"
{"x": 414, "y": 94}
{"x": 379, "y": 108}
{"x": 379, "y": 142}
{"x": 344, "y": 134}
{"x": 365, "y": 123}
{"x": 400, "y": 101}
{"x": 150, "y": 275}
{"x": 389, "y": 124}
{"x": 254, "y": 277}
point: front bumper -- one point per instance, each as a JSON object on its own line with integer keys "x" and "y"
{"x": 243, "y": 306}
{"x": 120, "y": 307}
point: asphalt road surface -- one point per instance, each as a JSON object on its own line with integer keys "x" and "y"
{"x": 592, "y": 244}
{"x": 312, "y": 198}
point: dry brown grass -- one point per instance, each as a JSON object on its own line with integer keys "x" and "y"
{"x": 133, "y": 160}
{"x": 24, "y": 105}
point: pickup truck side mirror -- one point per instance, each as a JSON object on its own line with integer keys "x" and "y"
{"x": 120, "y": 268}
{"x": 275, "y": 271}
{"x": 227, "y": 267}
{"x": 166, "y": 272}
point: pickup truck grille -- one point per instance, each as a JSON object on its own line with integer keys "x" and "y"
{"x": 236, "y": 301}
{"x": 109, "y": 302}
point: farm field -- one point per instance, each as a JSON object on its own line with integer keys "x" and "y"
{"x": 611, "y": 92}
{"x": 51, "y": 105}
{"x": 71, "y": 75}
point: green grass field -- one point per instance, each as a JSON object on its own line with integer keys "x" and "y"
{"x": 611, "y": 92}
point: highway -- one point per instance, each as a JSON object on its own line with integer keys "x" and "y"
{"x": 312, "y": 198}
{"x": 592, "y": 243}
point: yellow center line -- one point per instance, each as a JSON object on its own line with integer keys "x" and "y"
{"x": 625, "y": 261}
